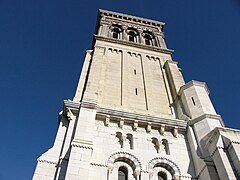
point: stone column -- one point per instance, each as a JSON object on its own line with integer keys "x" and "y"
{"x": 82, "y": 145}
{"x": 124, "y": 32}
{"x": 100, "y": 29}
{"x": 156, "y": 40}
{"x": 137, "y": 174}
{"x": 105, "y": 29}
{"x": 141, "y": 40}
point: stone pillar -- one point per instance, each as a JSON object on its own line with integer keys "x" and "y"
{"x": 140, "y": 37}
{"x": 174, "y": 77}
{"x": 137, "y": 174}
{"x": 100, "y": 29}
{"x": 105, "y": 29}
{"x": 161, "y": 42}
{"x": 124, "y": 32}
{"x": 82, "y": 144}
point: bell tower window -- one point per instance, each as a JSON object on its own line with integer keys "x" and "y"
{"x": 148, "y": 38}
{"x": 162, "y": 176}
{"x": 122, "y": 173}
{"x": 147, "y": 41}
{"x": 132, "y": 36}
{"x": 116, "y": 33}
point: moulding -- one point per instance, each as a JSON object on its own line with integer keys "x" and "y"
{"x": 193, "y": 83}
{"x": 164, "y": 162}
{"x": 133, "y": 44}
{"x": 46, "y": 161}
{"x": 98, "y": 164}
{"x": 141, "y": 118}
{"x": 204, "y": 116}
{"x": 130, "y": 18}
{"x": 127, "y": 156}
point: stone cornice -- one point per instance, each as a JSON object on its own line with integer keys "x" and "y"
{"x": 204, "y": 116}
{"x": 130, "y": 18}
{"x": 89, "y": 103}
{"x": 132, "y": 44}
{"x": 82, "y": 144}
{"x": 128, "y": 116}
{"x": 194, "y": 83}
{"x": 217, "y": 131}
{"x": 71, "y": 105}
{"x": 141, "y": 118}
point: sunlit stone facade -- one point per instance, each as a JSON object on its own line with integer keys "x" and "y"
{"x": 134, "y": 118}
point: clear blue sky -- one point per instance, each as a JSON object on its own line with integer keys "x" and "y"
{"x": 42, "y": 45}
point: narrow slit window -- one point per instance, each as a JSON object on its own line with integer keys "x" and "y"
{"x": 132, "y": 36}
{"x": 136, "y": 92}
{"x": 135, "y": 71}
{"x": 193, "y": 101}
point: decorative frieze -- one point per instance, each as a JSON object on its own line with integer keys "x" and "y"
{"x": 175, "y": 131}
{"x": 46, "y": 161}
{"x": 107, "y": 120}
{"x": 98, "y": 164}
{"x": 162, "y": 129}
{"x": 137, "y": 124}
{"x": 121, "y": 123}
{"x": 149, "y": 127}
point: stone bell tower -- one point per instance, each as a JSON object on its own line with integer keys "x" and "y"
{"x": 134, "y": 118}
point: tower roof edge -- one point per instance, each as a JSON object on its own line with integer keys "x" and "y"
{"x": 131, "y": 18}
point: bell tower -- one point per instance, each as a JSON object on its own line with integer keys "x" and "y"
{"x": 127, "y": 70}
{"x": 132, "y": 116}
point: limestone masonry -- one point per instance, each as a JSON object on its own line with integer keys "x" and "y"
{"x": 134, "y": 118}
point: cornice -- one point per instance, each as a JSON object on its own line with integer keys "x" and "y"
{"x": 181, "y": 124}
{"x": 220, "y": 131}
{"x": 79, "y": 143}
{"x": 71, "y": 105}
{"x": 130, "y": 18}
{"x": 132, "y": 44}
{"x": 194, "y": 83}
{"x": 204, "y": 116}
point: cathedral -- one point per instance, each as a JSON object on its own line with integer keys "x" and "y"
{"x": 134, "y": 118}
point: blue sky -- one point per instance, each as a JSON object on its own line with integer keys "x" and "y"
{"x": 42, "y": 48}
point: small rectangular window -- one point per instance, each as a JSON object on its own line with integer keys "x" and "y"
{"x": 193, "y": 102}
{"x": 136, "y": 91}
{"x": 135, "y": 71}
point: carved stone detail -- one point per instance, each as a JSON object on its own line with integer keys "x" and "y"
{"x": 149, "y": 127}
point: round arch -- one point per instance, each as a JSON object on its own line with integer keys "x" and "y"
{"x": 130, "y": 159}
{"x": 167, "y": 164}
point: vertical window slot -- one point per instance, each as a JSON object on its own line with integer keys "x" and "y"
{"x": 135, "y": 72}
{"x": 136, "y": 92}
{"x": 193, "y": 101}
